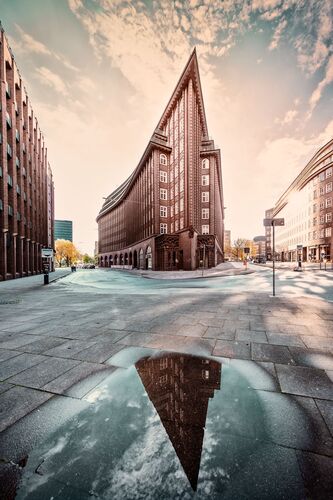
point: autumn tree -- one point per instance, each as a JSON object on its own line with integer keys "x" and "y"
{"x": 66, "y": 252}
{"x": 238, "y": 248}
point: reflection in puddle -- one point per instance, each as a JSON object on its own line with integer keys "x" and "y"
{"x": 168, "y": 427}
{"x": 179, "y": 386}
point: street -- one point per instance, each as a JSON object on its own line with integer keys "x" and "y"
{"x": 246, "y": 381}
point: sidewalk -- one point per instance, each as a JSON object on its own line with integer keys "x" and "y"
{"x": 224, "y": 269}
{"x": 31, "y": 282}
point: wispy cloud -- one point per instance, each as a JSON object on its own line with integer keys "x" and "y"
{"x": 317, "y": 93}
{"x": 50, "y": 79}
{"x": 278, "y": 34}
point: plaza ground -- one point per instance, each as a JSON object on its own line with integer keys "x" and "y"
{"x": 59, "y": 342}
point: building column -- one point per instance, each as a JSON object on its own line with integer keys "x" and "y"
{"x": 13, "y": 256}
{"x": 33, "y": 269}
{"x": 3, "y": 255}
{"x": 27, "y": 257}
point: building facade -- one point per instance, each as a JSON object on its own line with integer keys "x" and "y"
{"x": 63, "y": 230}
{"x": 259, "y": 248}
{"x": 307, "y": 207}
{"x": 26, "y": 185}
{"x": 169, "y": 213}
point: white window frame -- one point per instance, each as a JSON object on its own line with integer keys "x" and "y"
{"x": 205, "y": 213}
{"x": 328, "y": 187}
{"x": 205, "y": 229}
{"x": 328, "y": 217}
{"x": 163, "y": 194}
{"x": 328, "y": 232}
{"x": 163, "y": 176}
{"x": 181, "y": 204}
{"x": 328, "y": 202}
{"x": 163, "y": 211}
{"x": 205, "y": 196}
{"x": 163, "y": 228}
{"x": 163, "y": 159}
{"x": 329, "y": 172}
{"x": 205, "y": 164}
{"x": 205, "y": 180}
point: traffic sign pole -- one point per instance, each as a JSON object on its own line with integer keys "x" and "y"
{"x": 273, "y": 259}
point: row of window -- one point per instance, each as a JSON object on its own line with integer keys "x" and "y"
{"x": 164, "y": 210}
{"x": 323, "y": 233}
{"x": 323, "y": 218}
{"x": 322, "y": 190}
{"x": 323, "y": 204}
{"x": 164, "y": 193}
{"x": 321, "y": 177}
{"x": 204, "y": 162}
{"x": 164, "y": 227}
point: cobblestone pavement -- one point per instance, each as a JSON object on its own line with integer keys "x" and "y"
{"x": 55, "y": 342}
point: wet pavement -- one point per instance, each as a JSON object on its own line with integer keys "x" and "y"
{"x": 92, "y": 403}
{"x": 171, "y": 425}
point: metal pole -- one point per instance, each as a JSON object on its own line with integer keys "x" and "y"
{"x": 204, "y": 257}
{"x": 273, "y": 259}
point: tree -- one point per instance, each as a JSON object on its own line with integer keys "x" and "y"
{"x": 66, "y": 252}
{"x": 238, "y": 248}
{"x": 87, "y": 259}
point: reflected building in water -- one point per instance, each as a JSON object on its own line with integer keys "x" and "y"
{"x": 180, "y": 386}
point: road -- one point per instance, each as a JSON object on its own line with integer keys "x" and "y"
{"x": 311, "y": 282}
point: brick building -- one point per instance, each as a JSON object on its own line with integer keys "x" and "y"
{"x": 180, "y": 386}
{"x": 307, "y": 207}
{"x": 169, "y": 213}
{"x": 26, "y": 185}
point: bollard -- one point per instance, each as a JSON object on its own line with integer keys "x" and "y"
{"x": 46, "y": 278}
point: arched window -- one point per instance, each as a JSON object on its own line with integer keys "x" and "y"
{"x": 205, "y": 163}
{"x": 163, "y": 160}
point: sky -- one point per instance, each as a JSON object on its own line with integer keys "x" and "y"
{"x": 99, "y": 74}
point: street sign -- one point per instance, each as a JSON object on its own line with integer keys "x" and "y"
{"x": 273, "y": 222}
{"x": 47, "y": 252}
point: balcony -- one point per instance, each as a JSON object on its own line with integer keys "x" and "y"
{"x": 8, "y": 120}
{"x": 18, "y": 189}
{"x": 17, "y": 135}
{"x": 17, "y": 162}
{"x": 9, "y": 151}
{"x": 9, "y": 180}
{"x": 8, "y": 94}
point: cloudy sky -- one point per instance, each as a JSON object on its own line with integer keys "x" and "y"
{"x": 100, "y": 72}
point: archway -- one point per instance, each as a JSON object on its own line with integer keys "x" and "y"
{"x": 130, "y": 261}
{"x": 126, "y": 259}
{"x": 149, "y": 258}
{"x": 110, "y": 261}
{"x": 141, "y": 259}
{"x": 135, "y": 259}
{"x": 121, "y": 259}
{"x": 116, "y": 260}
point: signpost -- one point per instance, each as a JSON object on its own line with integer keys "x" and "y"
{"x": 47, "y": 253}
{"x": 273, "y": 223}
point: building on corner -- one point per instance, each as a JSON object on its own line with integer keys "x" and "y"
{"x": 169, "y": 213}
{"x": 26, "y": 183}
{"x": 307, "y": 207}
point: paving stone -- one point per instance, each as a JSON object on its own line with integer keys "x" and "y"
{"x": 40, "y": 346}
{"x": 7, "y": 354}
{"x": 98, "y": 353}
{"x": 17, "y": 341}
{"x": 272, "y": 353}
{"x": 304, "y": 381}
{"x": 171, "y": 329}
{"x": 18, "y": 364}
{"x": 79, "y": 380}
{"x": 168, "y": 342}
{"x": 326, "y": 409}
{"x": 317, "y": 472}
{"x": 69, "y": 348}
{"x": 138, "y": 339}
{"x": 283, "y": 339}
{"x": 295, "y": 422}
{"x": 318, "y": 343}
{"x": 213, "y": 322}
{"x": 191, "y": 330}
{"x": 18, "y": 402}
{"x": 199, "y": 346}
{"x": 251, "y": 336}
{"x": 231, "y": 349}
{"x": 4, "y": 386}
{"x": 218, "y": 333}
{"x": 44, "y": 372}
{"x": 110, "y": 336}
{"x": 312, "y": 358}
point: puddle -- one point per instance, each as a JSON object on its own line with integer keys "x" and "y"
{"x": 170, "y": 426}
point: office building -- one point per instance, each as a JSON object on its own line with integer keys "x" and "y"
{"x": 63, "y": 230}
